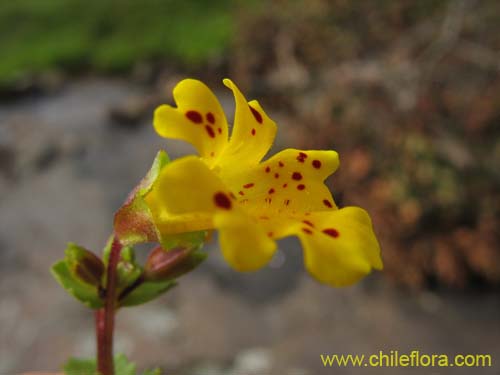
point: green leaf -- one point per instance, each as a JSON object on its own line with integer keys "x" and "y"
{"x": 146, "y": 292}
{"x": 84, "y": 265}
{"x": 155, "y": 371}
{"x": 77, "y": 366}
{"x": 128, "y": 270}
{"x": 83, "y": 292}
{"x": 187, "y": 239}
{"x": 123, "y": 366}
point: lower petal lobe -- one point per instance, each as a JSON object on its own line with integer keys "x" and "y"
{"x": 292, "y": 181}
{"x": 340, "y": 246}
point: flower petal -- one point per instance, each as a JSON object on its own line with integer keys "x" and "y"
{"x": 198, "y": 119}
{"x": 244, "y": 242}
{"x": 253, "y": 131}
{"x": 290, "y": 181}
{"x": 186, "y": 196}
{"x": 340, "y": 246}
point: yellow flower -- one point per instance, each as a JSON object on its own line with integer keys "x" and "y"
{"x": 253, "y": 203}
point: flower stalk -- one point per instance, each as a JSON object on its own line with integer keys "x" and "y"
{"x": 105, "y": 317}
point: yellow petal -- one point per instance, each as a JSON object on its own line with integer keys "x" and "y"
{"x": 340, "y": 246}
{"x": 244, "y": 242}
{"x": 252, "y": 135}
{"x": 290, "y": 181}
{"x": 187, "y": 194}
{"x": 188, "y": 186}
{"x": 197, "y": 119}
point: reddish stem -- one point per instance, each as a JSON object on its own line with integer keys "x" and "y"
{"x": 105, "y": 317}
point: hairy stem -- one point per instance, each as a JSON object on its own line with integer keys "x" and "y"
{"x": 105, "y": 317}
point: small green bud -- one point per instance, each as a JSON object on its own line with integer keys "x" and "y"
{"x": 170, "y": 264}
{"x": 84, "y": 265}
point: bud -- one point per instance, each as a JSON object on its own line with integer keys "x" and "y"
{"x": 84, "y": 264}
{"x": 170, "y": 264}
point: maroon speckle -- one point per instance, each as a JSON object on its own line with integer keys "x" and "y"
{"x": 287, "y": 202}
{"x": 327, "y": 203}
{"x": 281, "y": 164}
{"x": 331, "y": 232}
{"x": 253, "y": 131}
{"x": 307, "y": 231}
{"x": 210, "y": 118}
{"x": 307, "y": 214}
{"x": 271, "y": 191}
{"x": 194, "y": 116}
{"x": 248, "y": 186}
{"x": 276, "y": 175}
{"x": 264, "y": 217}
{"x": 219, "y": 130}
{"x": 308, "y": 223}
{"x": 212, "y": 154}
{"x": 285, "y": 185}
{"x": 268, "y": 169}
{"x": 222, "y": 201}
{"x": 301, "y": 157}
{"x": 301, "y": 187}
{"x": 210, "y": 131}
{"x": 270, "y": 234}
{"x": 241, "y": 193}
{"x": 256, "y": 114}
{"x": 297, "y": 176}
{"x": 316, "y": 164}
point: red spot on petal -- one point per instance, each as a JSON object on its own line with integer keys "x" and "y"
{"x": 268, "y": 169}
{"x": 253, "y": 131}
{"x": 194, "y": 116}
{"x": 308, "y": 223}
{"x": 297, "y": 176}
{"x": 327, "y": 203}
{"x": 271, "y": 191}
{"x": 301, "y": 187}
{"x": 264, "y": 217}
{"x": 281, "y": 164}
{"x": 307, "y": 214}
{"x": 287, "y": 202}
{"x": 276, "y": 175}
{"x": 307, "y": 231}
{"x": 248, "y": 186}
{"x": 269, "y": 234}
{"x": 210, "y": 131}
{"x": 316, "y": 164}
{"x": 256, "y": 114}
{"x": 219, "y": 130}
{"x": 241, "y": 193}
{"x": 285, "y": 185}
{"x": 331, "y": 232}
{"x": 222, "y": 201}
{"x": 211, "y": 118}
{"x": 212, "y": 154}
{"x": 301, "y": 157}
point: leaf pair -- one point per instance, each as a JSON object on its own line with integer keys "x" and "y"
{"x": 76, "y": 366}
{"x": 77, "y": 274}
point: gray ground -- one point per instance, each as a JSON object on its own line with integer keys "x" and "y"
{"x": 64, "y": 169}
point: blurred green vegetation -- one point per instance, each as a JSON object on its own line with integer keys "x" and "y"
{"x": 109, "y": 36}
